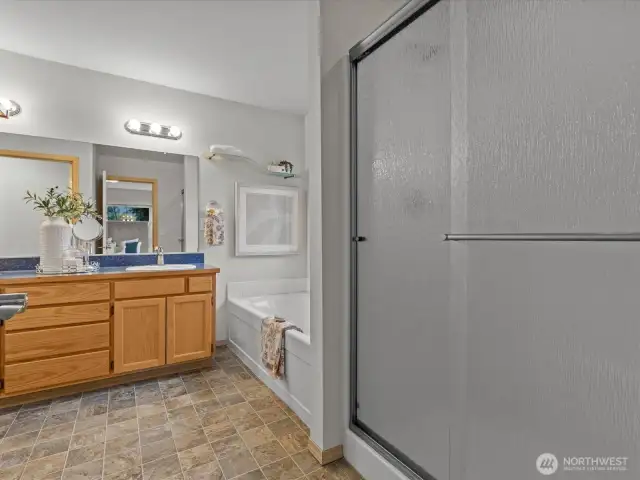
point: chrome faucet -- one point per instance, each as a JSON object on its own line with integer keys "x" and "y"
{"x": 159, "y": 255}
{"x": 12, "y": 304}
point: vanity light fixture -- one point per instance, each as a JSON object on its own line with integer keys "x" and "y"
{"x": 137, "y": 127}
{"x": 9, "y": 108}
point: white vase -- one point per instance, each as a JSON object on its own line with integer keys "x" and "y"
{"x": 55, "y": 239}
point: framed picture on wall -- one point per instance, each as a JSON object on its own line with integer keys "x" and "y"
{"x": 267, "y": 220}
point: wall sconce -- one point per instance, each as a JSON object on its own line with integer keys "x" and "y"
{"x": 137, "y": 127}
{"x": 9, "y": 108}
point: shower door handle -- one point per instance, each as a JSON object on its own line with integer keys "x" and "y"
{"x": 359, "y": 239}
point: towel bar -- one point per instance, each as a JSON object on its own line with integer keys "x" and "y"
{"x": 543, "y": 237}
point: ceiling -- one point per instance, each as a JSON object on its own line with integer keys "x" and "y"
{"x": 249, "y": 51}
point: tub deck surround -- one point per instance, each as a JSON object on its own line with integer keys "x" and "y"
{"x": 248, "y": 304}
{"x": 104, "y": 328}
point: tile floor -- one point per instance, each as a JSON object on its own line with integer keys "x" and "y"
{"x": 217, "y": 424}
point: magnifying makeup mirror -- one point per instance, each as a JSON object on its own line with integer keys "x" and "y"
{"x": 87, "y": 230}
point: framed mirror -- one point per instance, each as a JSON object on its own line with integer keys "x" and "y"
{"x": 21, "y": 171}
{"x": 130, "y": 213}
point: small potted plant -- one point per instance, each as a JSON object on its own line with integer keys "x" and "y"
{"x": 61, "y": 211}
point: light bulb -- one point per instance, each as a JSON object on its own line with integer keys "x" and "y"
{"x": 155, "y": 128}
{"x": 134, "y": 125}
{"x": 174, "y": 131}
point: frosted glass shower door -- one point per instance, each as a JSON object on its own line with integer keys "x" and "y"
{"x": 403, "y": 209}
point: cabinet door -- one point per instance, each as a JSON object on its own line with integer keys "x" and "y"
{"x": 139, "y": 334}
{"x": 188, "y": 327}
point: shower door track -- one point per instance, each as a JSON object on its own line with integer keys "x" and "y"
{"x": 402, "y": 18}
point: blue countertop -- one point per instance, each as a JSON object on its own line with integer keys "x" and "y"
{"x": 30, "y": 274}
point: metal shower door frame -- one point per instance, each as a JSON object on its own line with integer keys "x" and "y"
{"x": 397, "y": 22}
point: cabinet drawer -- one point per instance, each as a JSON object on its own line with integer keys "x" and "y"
{"x": 40, "y": 374}
{"x": 58, "y": 316}
{"x": 63, "y": 293}
{"x": 50, "y": 342}
{"x": 200, "y": 284}
{"x": 149, "y": 288}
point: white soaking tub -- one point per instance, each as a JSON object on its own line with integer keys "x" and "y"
{"x": 250, "y": 302}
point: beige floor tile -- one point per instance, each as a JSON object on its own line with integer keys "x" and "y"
{"x": 268, "y": 452}
{"x": 155, "y": 434}
{"x": 15, "y": 457}
{"x": 153, "y": 421}
{"x": 219, "y": 431}
{"x": 178, "y": 402}
{"x": 196, "y": 457}
{"x": 84, "y": 455}
{"x": 238, "y": 464}
{"x": 284, "y": 469}
{"x": 40, "y": 469}
{"x": 306, "y": 461}
{"x": 255, "y": 475}
{"x": 190, "y": 440}
{"x": 122, "y": 444}
{"x": 50, "y": 447}
{"x": 294, "y": 442}
{"x": 257, "y": 436}
{"x": 272, "y": 414}
{"x": 282, "y": 427}
{"x": 210, "y": 471}
{"x": 59, "y": 431}
{"x": 247, "y": 423}
{"x": 144, "y": 411}
{"x": 117, "y": 416}
{"x": 89, "y": 437}
{"x": 162, "y": 469}
{"x": 134, "y": 473}
{"x": 90, "y": 423}
{"x": 262, "y": 403}
{"x": 18, "y": 442}
{"x": 228, "y": 446}
{"x": 122, "y": 461}
{"x": 86, "y": 471}
{"x": 156, "y": 450}
{"x": 12, "y": 473}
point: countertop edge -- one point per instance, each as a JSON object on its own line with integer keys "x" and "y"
{"x": 103, "y": 274}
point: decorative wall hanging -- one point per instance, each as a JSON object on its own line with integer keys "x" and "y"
{"x": 214, "y": 225}
{"x": 267, "y": 220}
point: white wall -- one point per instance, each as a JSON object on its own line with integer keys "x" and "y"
{"x": 217, "y": 182}
{"x": 346, "y": 22}
{"x": 170, "y": 175}
{"x": 95, "y": 106}
{"x": 27, "y": 143}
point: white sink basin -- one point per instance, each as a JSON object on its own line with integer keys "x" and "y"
{"x": 160, "y": 268}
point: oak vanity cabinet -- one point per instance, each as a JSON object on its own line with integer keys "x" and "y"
{"x": 138, "y": 334}
{"x": 172, "y": 328}
{"x": 97, "y": 328}
{"x": 188, "y": 327}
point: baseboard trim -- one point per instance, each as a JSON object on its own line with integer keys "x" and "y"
{"x": 105, "y": 382}
{"x": 325, "y": 456}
